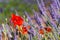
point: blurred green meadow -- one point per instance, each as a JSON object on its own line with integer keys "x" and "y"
{"x": 19, "y": 5}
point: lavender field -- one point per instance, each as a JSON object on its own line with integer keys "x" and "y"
{"x": 29, "y": 19}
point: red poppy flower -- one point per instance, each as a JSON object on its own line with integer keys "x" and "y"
{"x": 24, "y": 30}
{"x": 41, "y": 31}
{"x": 48, "y": 29}
{"x": 28, "y": 27}
{"x": 16, "y": 20}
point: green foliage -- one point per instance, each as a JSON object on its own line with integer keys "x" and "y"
{"x": 16, "y": 5}
{"x": 35, "y": 38}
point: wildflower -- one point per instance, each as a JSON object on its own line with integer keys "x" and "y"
{"x": 24, "y": 30}
{"x": 16, "y": 20}
{"x": 48, "y": 29}
{"x": 41, "y": 31}
{"x": 28, "y": 27}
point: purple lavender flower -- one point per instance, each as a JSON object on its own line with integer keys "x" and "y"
{"x": 54, "y": 26}
{"x": 0, "y": 33}
{"x": 15, "y": 36}
{"x": 54, "y": 2}
{"x": 58, "y": 3}
{"x": 39, "y": 6}
{"x": 1, "y": 10}
{"x": 28, "y": 17}
{"x": 54, "y": 13}
{"x": 42, "y": 3}
{"x": 51, "y": 12}
{"x": 42, "y": 8}
{"x": 37, "y": 20}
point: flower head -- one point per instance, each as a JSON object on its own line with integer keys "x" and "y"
{"x": 29, "y": 27}
{"x": 48, "y": 29}
{"x": 24, "y": 30}
{"x": 16, "y": 20}
{"x": 41, "y": 31}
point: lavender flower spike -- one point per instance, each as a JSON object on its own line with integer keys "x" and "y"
{"x": 0, "y": 32}
{"x": 55, "y": 3}
{"x": 43, "y": 9}
{"x": 29, "y": 19}
{"x": 58, "y": 3}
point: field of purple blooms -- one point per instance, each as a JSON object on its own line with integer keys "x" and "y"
{"x": 38, "y": 21}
